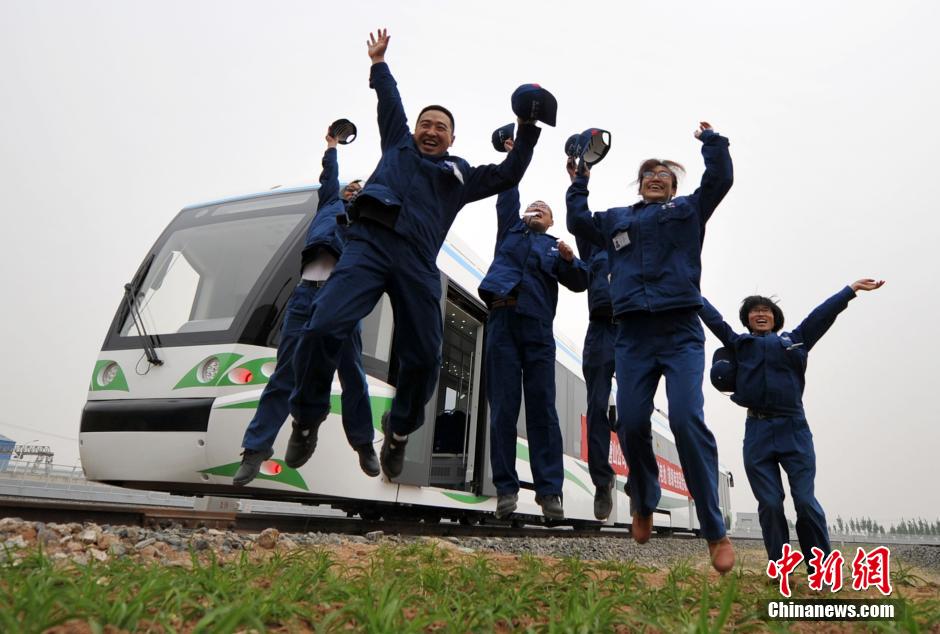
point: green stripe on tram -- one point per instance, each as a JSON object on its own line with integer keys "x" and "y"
{"x": 466, "y": 498}
{"x": 288, "y": 476}
{"x": 380, "y": 405}
{"x": 522, "y": 453}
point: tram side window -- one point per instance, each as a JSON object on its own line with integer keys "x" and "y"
{"x": 377, "y": 330}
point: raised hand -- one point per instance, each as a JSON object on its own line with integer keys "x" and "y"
{"x": 565, "y": 251}
{"x": 377, "y": 45}
{"x": 702, "y": 126}
{"x": 508, "y": 144}
{"x": 573, "y": 170}
{"x": 331, "y": 141}
{"x": 867, "y": 284}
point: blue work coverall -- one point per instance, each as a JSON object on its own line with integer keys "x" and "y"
{"x": 654, "y": 286}
{"x": 597, "y": 362}
{"x": 771, "y": 375}
{"x": 520, "y": 347}
{"x": 322, "y": 234}
{"x": 404, "y": 212}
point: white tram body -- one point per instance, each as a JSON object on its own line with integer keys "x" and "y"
{"x": 211, "y": 296}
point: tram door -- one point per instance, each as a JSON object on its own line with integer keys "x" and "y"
{"x": 442, "y": 452}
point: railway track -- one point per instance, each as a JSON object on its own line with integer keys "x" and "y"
{"x": 61, "y": 511}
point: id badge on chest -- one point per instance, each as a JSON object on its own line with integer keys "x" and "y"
{"x": 621, "y": 240}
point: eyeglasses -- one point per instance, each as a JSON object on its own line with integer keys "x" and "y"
{"x": 663, "y": 175}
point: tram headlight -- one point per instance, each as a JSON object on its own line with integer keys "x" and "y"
{"x": 208, "y": 370}
{"x": 240, "y": 376}
{"x": 270, "y": 468}
{"x": 268, "y": 369}
{"x": 108, "y": 374}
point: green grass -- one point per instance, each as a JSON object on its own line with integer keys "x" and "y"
{"x": 414, "y": 588}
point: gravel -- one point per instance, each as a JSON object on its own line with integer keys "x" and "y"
{"x": 172, "y": 545}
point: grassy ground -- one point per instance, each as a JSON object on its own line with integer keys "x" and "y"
{"x": 413, "y": 588}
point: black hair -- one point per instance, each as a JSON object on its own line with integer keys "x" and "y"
{"x": 441, "y": 109}
{"x": 753, "y": 301}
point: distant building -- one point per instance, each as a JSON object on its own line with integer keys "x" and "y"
{"x": 750, "y": 522}
{"x": 747, "y": 522}
{"x": 6, "y": 450}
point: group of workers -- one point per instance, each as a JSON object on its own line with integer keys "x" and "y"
{"x": 641, "y": 267}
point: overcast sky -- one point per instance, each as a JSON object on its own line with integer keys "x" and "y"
{"x": 118, "y": 114}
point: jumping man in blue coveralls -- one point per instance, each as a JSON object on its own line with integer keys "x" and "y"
{"x": 771, "y": 375}
{"x": 597, "y": 364}
{"x": 400, "y": 221}
{"x": 324, "y": 245}
{"x": 521, "y": 290}
{"x": 654, "y": 252}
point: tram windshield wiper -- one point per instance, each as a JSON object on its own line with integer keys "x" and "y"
{"x": 130, "y": 298}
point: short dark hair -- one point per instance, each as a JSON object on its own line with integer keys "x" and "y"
{"x": 440, "y": 109}
{"x": 752, "y": 302}
{"x": 672, "y": 166}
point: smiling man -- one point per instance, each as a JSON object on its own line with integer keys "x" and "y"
{"x": 770, "y": 377}
{"x": 654, "y": 250}
{"x": 521, "y": 291}
{"x": 400, "y": 220}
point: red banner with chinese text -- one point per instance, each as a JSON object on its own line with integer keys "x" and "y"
{"x": 670, "y": 474}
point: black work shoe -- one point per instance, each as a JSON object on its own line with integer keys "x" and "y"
{"x": 603, "y": 501}
{"x": 393, "y": 451}
{"x": 551, "y": 506}
{"x": 505, "y": 505}
{"x": 250, "y": 466}
{"x": 368, "y": 461}
{"x": 302, "y": 444}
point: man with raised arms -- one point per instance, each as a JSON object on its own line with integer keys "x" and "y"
{"x": 324, "y": 245}
{"x": 399, "y": 223}
{"x": 768, "y": 380}
{"x": 521, "y": 291}
{"x": 654, "y": 249}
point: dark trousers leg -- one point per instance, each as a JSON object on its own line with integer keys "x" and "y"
{"x": 357, "y": 410}
{"x": 598, "y": 368}
{"x": 353, "y": 290}
{"x": 799, "y": 462}
{"x": 684, "y": 365}
{"x": 503, "y": 363}
{"x": 415, "y": 294}
{"x": 272, "y": 407}
{"x": 541, "y": 416}
{"x": 637, "y": 378}
{"x": 763, "y": 474}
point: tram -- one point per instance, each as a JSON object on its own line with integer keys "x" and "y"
{"x": 194, "y": 340}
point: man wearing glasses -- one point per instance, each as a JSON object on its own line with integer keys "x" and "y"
{"x": 654, "y": 254}
{"x": 324, "y": 245}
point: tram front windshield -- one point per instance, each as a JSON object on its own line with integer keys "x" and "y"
{"x": 210, "y": 260}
